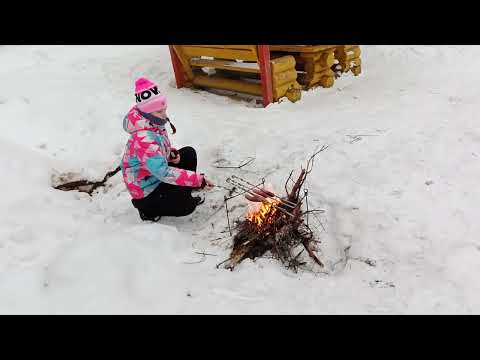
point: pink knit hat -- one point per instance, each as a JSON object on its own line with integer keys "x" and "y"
{"x": 148, "y": 97}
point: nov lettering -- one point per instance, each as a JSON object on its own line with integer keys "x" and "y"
{"x": 147, "y": 94}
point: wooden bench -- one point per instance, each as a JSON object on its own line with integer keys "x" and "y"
{"x": 240, "y": 68}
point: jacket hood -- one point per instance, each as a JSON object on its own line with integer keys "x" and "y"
{"x": 133, "y": 122}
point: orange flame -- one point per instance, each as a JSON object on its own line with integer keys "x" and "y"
{"x": 259, "y": 215}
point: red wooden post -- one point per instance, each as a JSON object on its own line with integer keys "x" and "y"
{"x": 177, "y": 68}
{"x": 265, "y": 73}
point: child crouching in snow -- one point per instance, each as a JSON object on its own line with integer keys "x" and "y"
{"x": 159, "y": 178}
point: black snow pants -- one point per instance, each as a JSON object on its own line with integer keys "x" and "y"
{"x": 167, "y": 199}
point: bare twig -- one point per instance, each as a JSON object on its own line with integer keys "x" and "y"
{"x": 355, "y": 138}
{"x": 315, "y": 226}
{"x": 311, "y": 160}
{"x": 236, "y": 167}
{"x": 204, "y": 256}
{"x": 369, "y": 262}
{"x": 204, "y": 253}
{"x": 295, "y": 258}
{"x": 306, "y": 201}
{"x": 223, "y": 262}
{"x": 194, "y": 262}
{"x": 293, "y": 196}
{"x": 286, "y": 182}
{"x": 228, "y": 218}
{"x": 314, "y": 211}
{"x": 311, "y": 253}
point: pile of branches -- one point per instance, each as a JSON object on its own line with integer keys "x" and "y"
{"x": 283, "y": 231}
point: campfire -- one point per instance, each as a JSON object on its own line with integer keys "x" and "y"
{"x": 265, "y": 212}
{"x": 274, "y": 224}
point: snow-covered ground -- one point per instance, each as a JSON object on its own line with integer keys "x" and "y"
{"x": 404, "y": 195}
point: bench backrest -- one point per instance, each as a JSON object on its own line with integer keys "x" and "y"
{"x": 225, "y": 52}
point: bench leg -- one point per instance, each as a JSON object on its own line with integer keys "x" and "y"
{"x": 177, "y": 68}
{"x": 266, "y": 73}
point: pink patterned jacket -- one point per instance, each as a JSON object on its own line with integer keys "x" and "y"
{"x": 145, "y": 160}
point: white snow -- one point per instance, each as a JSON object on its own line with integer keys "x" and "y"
{"x": 398, "y": 183}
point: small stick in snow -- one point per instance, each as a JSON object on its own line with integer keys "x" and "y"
{"x": 204, "y": 253}
{"x": 356, "y": 138}
{"x": 223, "y": 262}
{"x": 286, "y": 182}
{"x": 195, "y": 262}
{"x": 251, "y": 159}
{"x": 228, "y": 218}
{"x": 204, "y": 257}
{"x": 305, "y": 191}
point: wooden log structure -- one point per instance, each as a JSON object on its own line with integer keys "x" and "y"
{"x": 268, "y": 71}
{"x": 318, "y": 63}
{"x": 348, "y": 57}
